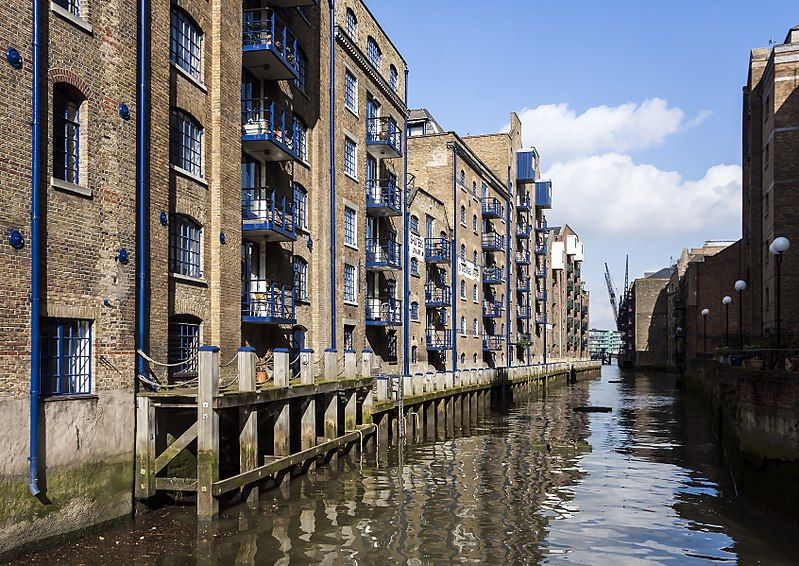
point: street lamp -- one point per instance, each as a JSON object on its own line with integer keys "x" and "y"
{"x": 779, "y": 246}
{"x": 705, "y": 312}
{"x": 726, "y": 302}
{"x": 740, "y": 286}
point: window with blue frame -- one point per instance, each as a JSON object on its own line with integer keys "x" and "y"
{"x": 373, "y": 53}
{"x": 301, "y": 138}
{"x": 186, "y": 142}
{"x": 391, "y": 346}
{"x": 414, "y": 267}
{"x": 393, "y": 78}
{"x": 300, "y": 207}
{"x": 352, "y": 24}
{"x": 186, "y": 45}
{"x": 351, "y": 91}
{"x": 414, "y": 225}
{"x": 302, "y": 70}
{"x": 183, "y": 344}
{"x": 350, "y": 217}
{"x": 349, "y": 283}
{"x": 185, "y": 244}
{"x": 414, "y": 311}
{"x": 66, "y": 356}
{"x": 67, "y": 102}
{"x": 350, "y": 157}
{"x": 71, "y": 6}
{"x": 300, "y": 279}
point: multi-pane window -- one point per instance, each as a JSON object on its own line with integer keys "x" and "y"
{"x": 463, "y": 215}
{"x": 66, "y": 356}
{"x": 463, "y": 325}
{"x": 414, "y": 226}
{"x": 414, "y": 266}
{"x": 474, "y": 293}
{"x": 71, "y": 6}
{"x": 393, "y": 78}
{"x": 391, "y": 347}
{"x": 66, "y": 133}
{"x": 474, "y": 257}
{"x": 462, "y": 179}
{"x": 463, "y": 252}
{"x": 474, "y": 223}
{"x": 185, "y": 241}
{"x": 349, "y": 338}
{"x": 349, "y": 283}
{"x": 463, "y": 289}
{"x": 183, "y": 343}
{"x": 351, "y": 91}
{"x": 186, "y": 143}
{"x": 475, "y": 330}
{"x": 300, "y": 279}
{"x": 414, "y": 354}
{"x": 301, "y": 138}
{"x": 414, "y": 311}
{"x": 300, "y": 207}
{"x": 350, "y": 157}
{"x": 349, "y": 226}
{"x": 186, "y": 46}
{"x": 373, "y": 53}
{"x": 302, "y": 70}
{"x": 352, "y": 24}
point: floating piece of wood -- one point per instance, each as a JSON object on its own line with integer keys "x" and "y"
{"x": 590, "y": 409}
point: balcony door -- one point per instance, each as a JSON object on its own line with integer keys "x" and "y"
{"x": 250, "y": 97}
{"x": 250, "y": 264}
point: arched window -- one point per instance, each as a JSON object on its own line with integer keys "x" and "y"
{"x": 474, "y": 223}
{"x": 414, "y": 311}
{"x": 301, "y": 138}
{"x": 474, "y": 293}
{"x": 185, "y": 245}
{"x": 474, "y": 257}
{"x": 463, "y": 289}
{"x": 300, "y": 207}
{"x": 474, "y": 358}
{"x": 186, "y": 142}
{"x": 463, "y": 215}
{"x": 463, "y": 178}
{"x": 463, "y": 325}
{"x": 463, "y": 251}
{"x": 186, "y": 45}
{"x": 300, "y": 279}
{"x": 463, "y": 358}
{"x": 373, "y": 52}
{"x": 414, "y": 266}
{"x": 413, "y": 354}
{"x": 414, "y": 226}
{"x": 474, "y": 188}
{"x": 393, "y": 78}
{"x": 302, "y": 70}
{"x": 67, "y": 149}
{"x": 183, "y": 342}
{"x": 474, "y": 327}
{"x": 352, "y": 24}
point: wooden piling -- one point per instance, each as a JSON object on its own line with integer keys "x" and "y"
{"x": 145, "y": 448}
{"x": 207, "y": 432}
{"x": 248, "y": 421}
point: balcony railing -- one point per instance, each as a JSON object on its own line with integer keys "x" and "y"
{"x": 264, "y": 213}
{"x": 493, "y": 242}
{"x": 383, "y": 311}
{"x": 523, "y": 258}
{"x": 543, "y": 194}
{"x": 268, "y": 129}
{"x": 540, "y": 274}
{"x": 523, "y": 202}
{"x": 383, "y": 254}
{"x": 438, "y": 340}
{"x": 493, "y": 275}
{"x": 437, "y": 250}
{"x": 492, "y": 207}
{"x": 541, "y": 250}
{"x": 523, "y": 312}
{"x": 542, "y": 228}
{"x": 492, "y": 343}
{"x": 523, "y": 230}
{"x": 383, "y": 197}
{"x": 437, "y": 296}
{"x": 492, "y": 309}
{"x": 267, "y": 302}
{"x": 269, "y": 47}
{"x": 523, "y": 285}
{"x": 383, "y": 137}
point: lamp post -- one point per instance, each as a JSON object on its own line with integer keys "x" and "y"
{"x": 740, "y": 286}
{"x": 705, "y": 312}
{"x": 778, "y": 247}
{"x": 726, "y": 302}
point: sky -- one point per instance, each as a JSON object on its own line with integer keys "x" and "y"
{"x": 633, "y": 105}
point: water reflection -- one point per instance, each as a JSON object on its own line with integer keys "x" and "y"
{"x": 535, "y": 483}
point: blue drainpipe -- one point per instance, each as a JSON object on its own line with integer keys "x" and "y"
{"x": 34, "y": 297}
{"x": 454, "y": 292}
{"x": 332, "y": 91}
{"x": 508, "y": 259}
{"x": 406, "y": 229}
{"x": 142, "y": 192}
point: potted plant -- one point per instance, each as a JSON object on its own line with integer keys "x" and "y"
{"x": 261, "y": 375}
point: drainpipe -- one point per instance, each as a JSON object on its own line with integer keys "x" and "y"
{"x": 142, "y": 186}
{"x": 332, "y": 94}
{"x": 454, "y": 293}
{"x": 508, "y": 259}
{"x": 34, "y": 297}
{"x": 546, "y": 294}
{"x": 406, "y": 291}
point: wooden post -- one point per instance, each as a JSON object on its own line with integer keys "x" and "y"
{"x": 307, "y": 367}
{"x": 207, "y": 432}
{"x": 350, "y": 365}
{"x": 248, "y": 421}
{"x": 331, "y": 364}
{"x": 366, "y": 363}
{"x": 367, "y": 406}
{"x": 382, "y": 388}
{"x": 350, "y": 410}
{"x": 407, "y": 386}
{"x": 308, "y": 424}
{"x": 282, "y": 369}
{"x": 145, "y": 448}
{"x": 331, "y": 417}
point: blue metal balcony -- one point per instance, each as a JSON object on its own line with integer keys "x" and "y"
{"x": 267, "y": 302}
{"x": 383, "y": 137}
{"x": 543, "y": 194}
{"x": 492, "y": 309}
{"x": 541, "y": 250}
{"x": 269, "y": 49}
{"x": 523, "y": 286}
{"x": 522, "y": 258}
{"x": 437, "y": 296}
{"x": 523, "y": 231}
{"x": 540, "y": 274}
{"x": 383, "y": 197}
{"x": 266, "y": 130}
{"x": 383, "y": 254}
{"x": 437, "y": 250}
{"x": 492, "y": 343}
{"x": 492, "y": 207}
{"x": 266, "y": 214}
{"x": 523, "y": 203}
{"x": 523, "y": 312}
{"x": 525, "y": 165}
{"x": 540, "y": 298}
{"x": 541, "y": 228}
{"x": 540, "y": 321}
{"x": 438, "y": 340}
{"x": 524, "y": 337}
{"x": 493, "y": 242}
{"x": 383, "y": 312}
{"x": 493, "y": 275}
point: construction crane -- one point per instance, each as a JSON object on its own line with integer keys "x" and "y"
{"x": 612, "y": 294}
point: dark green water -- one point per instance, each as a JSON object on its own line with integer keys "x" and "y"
{"x": 531, "y": 483}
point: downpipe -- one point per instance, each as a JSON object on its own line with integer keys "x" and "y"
{"x": 332, "y": 94}
{"x": 142, "y": 193}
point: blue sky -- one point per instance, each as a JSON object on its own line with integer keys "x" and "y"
{"x": 652, "y": 167}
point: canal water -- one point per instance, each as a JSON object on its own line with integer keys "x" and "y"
{"x": 532, "y": 482}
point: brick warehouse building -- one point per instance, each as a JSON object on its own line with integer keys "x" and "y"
{"x": 224, "y": 154}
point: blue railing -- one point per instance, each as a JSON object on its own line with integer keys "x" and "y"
{"x": 437, "y": 296}
{"x": 492, "y": 309}
{"x": 493, "y": 241}
{"x": 541, "y": 250}
{"x": 383, "y": 253}
{"x": 263, "y": 29}
{"x": 523, "y": 285}
{"x": 260, "y": 117}
{"x": 384, "y": 195}
{"x": 493, "y": 275}
{"x": 437, "y": 250}
{"x": 542, "y": 228}
{"x": 384, "y": 131}
{"x": 492, "y": 343}
{"x": 523, "y": 201}
{"x": 438, "y": 339}
{"x": 540, "y": 274}
{"x": 523, "y": 230}
{"x": 523, "y": 312}
{"x": 264, "y": 207}
{"x": 267, "y": 301}
{"x": 492, "y": 207}
{"x": 523, "y": 258}
{"x": 383, "y": 311}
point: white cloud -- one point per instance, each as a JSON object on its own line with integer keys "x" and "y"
{"x": 559, "y": 133}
